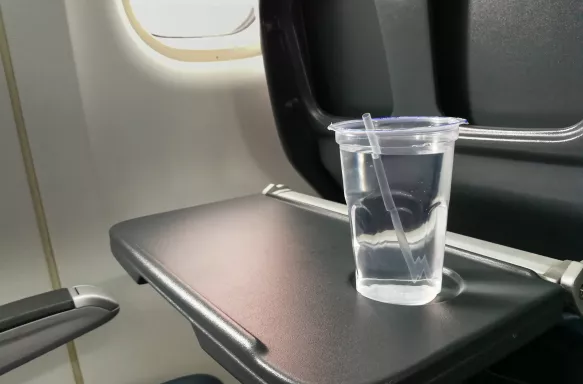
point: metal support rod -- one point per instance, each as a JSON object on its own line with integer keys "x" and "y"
{"x": 567, "y": 273}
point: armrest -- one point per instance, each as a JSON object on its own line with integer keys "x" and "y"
{"x": 38, "y": 324}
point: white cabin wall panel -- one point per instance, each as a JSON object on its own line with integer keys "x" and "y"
{"x": 23, "y": 269}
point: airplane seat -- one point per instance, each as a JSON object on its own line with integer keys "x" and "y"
{"x": 511, "y": 68}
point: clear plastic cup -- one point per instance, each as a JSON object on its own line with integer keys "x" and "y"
{"x": 416, "y": 155}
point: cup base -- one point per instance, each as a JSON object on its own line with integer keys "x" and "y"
{"x": 395, "y": 292}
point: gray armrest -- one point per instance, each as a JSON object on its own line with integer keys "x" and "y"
{"x": 36, "y": 325}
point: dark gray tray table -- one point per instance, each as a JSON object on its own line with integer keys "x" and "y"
{"x": 267, "y": 285}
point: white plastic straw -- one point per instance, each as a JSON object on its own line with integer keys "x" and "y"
{"x": 416, "y": 268}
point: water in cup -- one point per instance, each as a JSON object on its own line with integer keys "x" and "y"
{"x": 384, "y": 273}
{"x": 416, "y": 156}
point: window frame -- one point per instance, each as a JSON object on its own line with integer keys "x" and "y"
{"x": 190, "y": 55}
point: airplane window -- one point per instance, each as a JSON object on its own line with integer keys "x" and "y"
{"x": 197, "y": 30}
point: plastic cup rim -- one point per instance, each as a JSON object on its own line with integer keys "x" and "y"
{"x": 426, "y": 124}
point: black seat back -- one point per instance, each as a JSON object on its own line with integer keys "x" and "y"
{"x": 513, "y": 68}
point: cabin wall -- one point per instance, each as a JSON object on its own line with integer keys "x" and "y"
{"x": 23, "y": 269}
{"x": 118, "y": 131}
